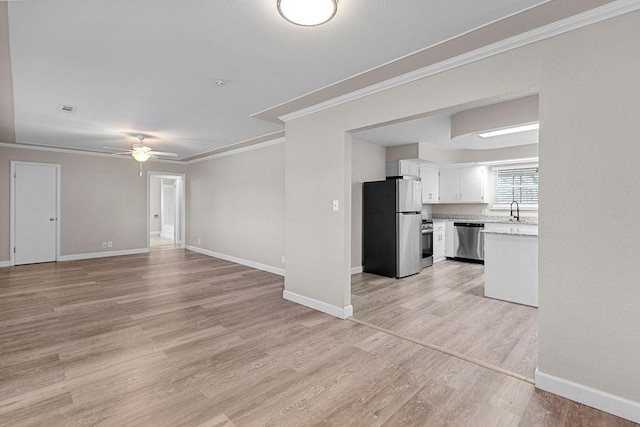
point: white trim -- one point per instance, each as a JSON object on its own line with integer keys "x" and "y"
{"x": 356, "y": 270}
{"x": 181, "y": 181}
{"x": 5, "y": 264}
{"x": 593, "y": 16}
{"x": 248, "y": 263}
{"x": 12, "y": 205}
{"x": 598, "y": 399}
{"x": 154, "y": 233}
{"x": 105, "y": 254}
{"x": 76, "y": 151}
{"x": 237, "y": 151}
{"x": 333, "y": 310}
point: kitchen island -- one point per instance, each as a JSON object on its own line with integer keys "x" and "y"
{"x": 511, "y": 264}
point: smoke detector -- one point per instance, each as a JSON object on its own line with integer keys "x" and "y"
{"x": 219, "y": 83}
{"x": 67, "y": 108}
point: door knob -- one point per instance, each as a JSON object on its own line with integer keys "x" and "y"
{"x": 52, "y": 219}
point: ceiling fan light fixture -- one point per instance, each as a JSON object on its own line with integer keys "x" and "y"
{"x": 140, "y": 155}
{"x": 307, "y": 13}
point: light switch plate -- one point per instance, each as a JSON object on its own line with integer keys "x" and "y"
{"x": 335, "y": 205}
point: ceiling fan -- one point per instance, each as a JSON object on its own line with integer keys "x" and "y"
{"x": 140, "y": 152}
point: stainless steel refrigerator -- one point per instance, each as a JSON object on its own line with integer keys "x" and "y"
{"x": 391, "y": 227}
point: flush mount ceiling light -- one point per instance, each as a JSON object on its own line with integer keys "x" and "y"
{"x": 307, "y": 13}
{"x": 507, "y": 131}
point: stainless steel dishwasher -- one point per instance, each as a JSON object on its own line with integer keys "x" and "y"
{"x": 469, "y": 241}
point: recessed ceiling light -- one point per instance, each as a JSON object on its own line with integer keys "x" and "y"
{"x": 510, "y": 130}
{"x": 307, "y": 13}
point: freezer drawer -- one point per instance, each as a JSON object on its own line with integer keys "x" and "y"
{"x": 409, "y": 253}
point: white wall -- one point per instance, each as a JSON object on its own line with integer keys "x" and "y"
{"x": 102, "y": 198}
{"x": 235, "y": 205}
{"x": 368, "y": 164}
{"x": 589, "y": 89}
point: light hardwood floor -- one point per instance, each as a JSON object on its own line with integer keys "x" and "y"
{"x": 175, "y": 338}
{"x": 157, "y": 243}
{"x": 445, "y": 305}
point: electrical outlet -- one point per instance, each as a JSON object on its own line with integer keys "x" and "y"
{"x": 109, "y": 244}
{"x": 282, "y": 259}
{"x": 199, "y": 241}
{"x": 335, "y": 205}
{"x": 104, "y": 245}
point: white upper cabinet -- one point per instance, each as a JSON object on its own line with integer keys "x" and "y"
{"x": 449, "y": 185}
{"x": 430, "y": 183}
{"x": 462, "y": 185}
{"x": 403, "y": 168}
{"x": 472, "y": 184}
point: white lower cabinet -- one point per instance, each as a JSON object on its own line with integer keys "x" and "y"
{"x": 449, "y": 239}
{"x": 438, "y": 240}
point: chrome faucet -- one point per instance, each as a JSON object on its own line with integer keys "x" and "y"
{"x": 517, "y": 217}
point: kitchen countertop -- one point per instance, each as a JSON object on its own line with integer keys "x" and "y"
{"x": 512, "y": 232}
{"x": 494, "y": 220}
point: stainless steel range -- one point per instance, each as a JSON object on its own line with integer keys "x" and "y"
{"x": 427, "y": 243}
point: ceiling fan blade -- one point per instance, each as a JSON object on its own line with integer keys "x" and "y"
{"x": 163, "y": 153}
{"x": 115, "y": 148}
{"x": 121, "y": 154}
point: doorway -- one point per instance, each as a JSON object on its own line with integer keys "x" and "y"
{"x": 165, "y": 211}
{"x": 35, "y": 209}
{"x": 449, "y": 305}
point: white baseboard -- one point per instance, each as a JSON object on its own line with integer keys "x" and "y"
{"x": 356, "y": 270}
{"x": 5, "y": 264}
{"x": 248, "y": 263}
{"x": 155, "y": 233}
{"x": 598, "y": 399}
{"x": 333, "y": 310}
{"x": 104, "y": 254}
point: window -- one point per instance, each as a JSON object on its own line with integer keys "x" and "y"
{"x": 515, "y": 183}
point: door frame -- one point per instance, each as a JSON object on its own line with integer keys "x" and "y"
{"x": 180, "y": 204}
{"x": 12, "y": 207}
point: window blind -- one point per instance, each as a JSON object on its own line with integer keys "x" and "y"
{"x": 519, "y": 184}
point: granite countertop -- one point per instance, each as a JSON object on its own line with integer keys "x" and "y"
{"x": 513, "y": 231}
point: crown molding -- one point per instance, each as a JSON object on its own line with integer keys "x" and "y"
{"x": 237, "y": 151}
{"x": 575, "y": 22}
{"x": 179, "y": 162}
{"x": 75, "y": 151}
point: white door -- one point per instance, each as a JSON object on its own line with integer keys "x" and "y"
{"x": 168, "y": 210}
{"x": 35, "y": 213}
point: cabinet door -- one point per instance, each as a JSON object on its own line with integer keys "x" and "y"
{"x": 430, "y": 182}
{"x": 449, "y": 185}
{"x": 448, "y": 239}
{"x": 409, "y": 168}
{"x": 438, "y": 245}
{"x": 472, "y": 184}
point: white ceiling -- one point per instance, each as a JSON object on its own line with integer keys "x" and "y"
{"x": 148, "y": 66}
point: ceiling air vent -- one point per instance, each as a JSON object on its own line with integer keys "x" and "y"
{"x": 67, "y": 109}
